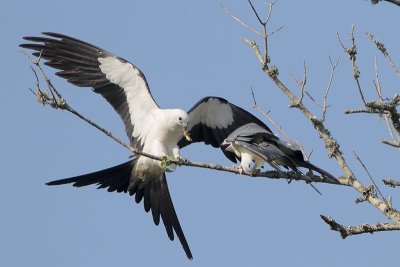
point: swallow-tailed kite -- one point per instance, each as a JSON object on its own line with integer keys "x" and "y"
{"x": 160, "y": 132}
{"x": 254, "y": 145}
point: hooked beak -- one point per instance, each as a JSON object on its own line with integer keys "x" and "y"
{"x": 226, "y": 145}
{"x": 186, "y": 135}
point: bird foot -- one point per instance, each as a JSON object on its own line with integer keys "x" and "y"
{"x": 166, "y": 162}
{"x": 182, "y": 160}
{"x": 238, "y": 168}
{"x": 252, "y": 172}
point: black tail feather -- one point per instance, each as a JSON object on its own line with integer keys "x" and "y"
{"x": 118, "y": 177}
{"x": 329, "y": 177}
{"x": 154, "y": 191}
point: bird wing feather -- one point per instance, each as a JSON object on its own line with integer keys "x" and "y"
{"x": 120, "y": 82}
{"x": 213, "y": 119}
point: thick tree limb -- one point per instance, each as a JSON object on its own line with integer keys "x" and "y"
{"x": 330, "y": 143}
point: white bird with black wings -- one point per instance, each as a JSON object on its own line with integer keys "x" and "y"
{"x": 153, "y": 130}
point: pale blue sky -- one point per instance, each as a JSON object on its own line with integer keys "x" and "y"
{"x": 187, "y": 50}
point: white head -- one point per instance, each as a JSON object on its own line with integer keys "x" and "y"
{"x": 179, "y": 118}
{"x": 178, "y": 121}
{"x": 227, "y": 145}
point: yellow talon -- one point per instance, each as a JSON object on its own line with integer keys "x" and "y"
{"x": 187, "y": 136}
{"x": 166, "y": 163}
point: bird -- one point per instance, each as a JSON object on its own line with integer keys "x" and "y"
{"x": 150, "y": 128}
{"x": 254, "y": 145}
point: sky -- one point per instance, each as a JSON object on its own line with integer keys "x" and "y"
{"x": 188, "y": 50}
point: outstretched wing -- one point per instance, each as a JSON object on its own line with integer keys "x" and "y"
{"x": 121, "y": 83}
{"x": 213, "y": 119}
{"x": 154, "y": 192}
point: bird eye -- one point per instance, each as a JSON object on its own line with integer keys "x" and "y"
{"x": 180, "y": 118}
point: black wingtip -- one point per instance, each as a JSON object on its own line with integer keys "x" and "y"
{"x": 57, "y": 182}
{"x": 328, "y": 177}
{"x": 54, "y": 34}
{"x": 188, "y": 253}
{"x": 27, "y": 38}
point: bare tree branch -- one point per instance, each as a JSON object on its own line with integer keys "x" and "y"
{"x": 391, "y": 182}
{"x": 237, "y": 19}
{"x": 382, "y": 48}
{"x": 390, "y": 106}
{"x": 378, "y": 89}
{"x": 386, "y": 107}
{"x": 396, "y": 2}
{"x": 352, "y": 52}
{"x": 302, "y": 85}
{"x": 346, "y": 231}
{"x": 330, "y": 143}
{"x": 370, "y": 176}
{"x": 325, "y": 106}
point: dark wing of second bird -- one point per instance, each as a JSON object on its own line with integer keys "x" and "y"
{"x": 273, "y": 150}
{"x": 213, "y": 119}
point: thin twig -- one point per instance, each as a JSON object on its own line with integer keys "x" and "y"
{"x": 275, "y": 31}
{"x": 247, "y": 26}
{"x": 381, "y": 47}
{"x": 255, "y": 12}
{"x": 378, "y": 88}
{"x": 369, "y": 175}
{"x": 264, "y": 24}
{"x": 303, "y": 82}
{"x": 325, "y": 106}
{"x": 368, "y": 111}
{"x": 352, "y": 52}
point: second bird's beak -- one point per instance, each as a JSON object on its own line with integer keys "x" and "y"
{"x": 226, "y": 146}
{"x": 187, "y": 136}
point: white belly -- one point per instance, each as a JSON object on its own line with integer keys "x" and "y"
{"x": 248, "y": 160}
{"x": 147, "y": 167}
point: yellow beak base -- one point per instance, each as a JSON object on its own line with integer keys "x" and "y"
{"x": 187, "y": 136}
